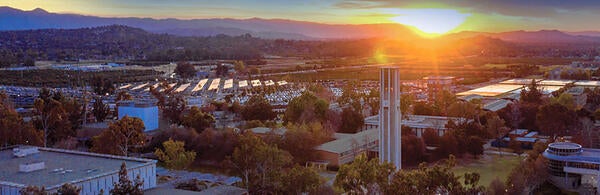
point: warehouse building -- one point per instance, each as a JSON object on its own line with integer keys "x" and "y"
{"x": 24, "y": 166}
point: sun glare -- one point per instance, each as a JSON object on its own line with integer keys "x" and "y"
{"x": 431, "y": 22}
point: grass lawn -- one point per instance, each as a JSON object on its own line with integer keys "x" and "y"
{"x": 489, "y": 167}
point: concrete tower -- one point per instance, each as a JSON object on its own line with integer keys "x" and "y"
{"x": 390, "y": 116}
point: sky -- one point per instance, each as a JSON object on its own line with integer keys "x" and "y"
{"x": 428, "y": 16}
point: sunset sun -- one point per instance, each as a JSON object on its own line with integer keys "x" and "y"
{"x": 430, "y": 22}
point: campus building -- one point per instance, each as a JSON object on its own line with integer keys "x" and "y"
{"x": 24, "y": 166}
{"x": 572, "y": 167}
{"x": 418, "y": 123}
{"x": 436, "y": 84}
{"x": 146, "y": 111}
{"x": 348, "y": 146}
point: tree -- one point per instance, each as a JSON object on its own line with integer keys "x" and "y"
{"x": 532, "y": 94}
{"x": 475, "y": 146}
{"x": 101, "y": 110}
{"x": 174, "y": 155}
{"x": 299, "y": 179}
{"x": 69, "y": 189}
{"x": 173, "y": 109}
{"x": 352, "y": 120}
{"x": 33, "y": 190}
{"x": 464, "y": 109}
{"x": 364, "y": 176}
{"x": 125, "y": 186}
{"x": 161, "y": 96}
{"x": 53, "y": 120}
{"x": 436, "y": 179}
{"x": 406, "y": 100}
{"x": 528, "y": 115}
{"x": 587, "y": 131}
{"x": 259, "y": 164}
{"x": 555, "y": 119}
{"x": 75, "y": 112}
{"x": 300, "y": 141}
{"x": 102, "y": 86}
{"x": 496, "y": 187}
{"x": 306, "y": 108}
{"x": 495, "y": 128}
{"x": 239, "y": 67}
{"x": 350, "y": 96}
{"x": 13, "y": 130}
{"x": 431, "y": 137}
{"x": 123, "y": 95}
{"x": 530, "y": 174}
{"x": 443, "y": 100}
{"x": 198, "y": 120}
{"x": 373, "y": 101}
{"x": 565, "y": 100}
{"x": 258, "y": 108}
{"x": 120, "y": 137}
{"x": 221, "y": 70}
{"x": 236, "y": 107}
{"x": 521, "y": 70}
{"x": 422, "y": 108}
{"x": 413, "y": 150}
{"x": 448, "y": 145}
{"x": 511, "y": 115}
{"x": 185, "y": 70}
{"x": 515, "y": 146}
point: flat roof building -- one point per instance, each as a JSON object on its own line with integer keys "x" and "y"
{"x": 418, "y": 123}
{"x": 24, "y": 166}
{"x": 147, "y": 111}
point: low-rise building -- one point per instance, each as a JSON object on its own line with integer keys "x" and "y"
{"x": 23, "y": 166}
{"x": 348, "y": 146}
{"x": 435, "y": 84}
{"x": 572, "y": 167}
{"x": 418, "y": 123}
{"x": 146, "y": 111}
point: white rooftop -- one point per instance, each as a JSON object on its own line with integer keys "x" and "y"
{"x": 243, "y": 83}
{"x": 200, "y": 85}
{"x": 491, "y": 90}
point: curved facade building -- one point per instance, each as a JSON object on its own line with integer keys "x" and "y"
{"x": 573, "y": 167}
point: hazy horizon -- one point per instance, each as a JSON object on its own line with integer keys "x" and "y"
{"x": 427, "y": 16}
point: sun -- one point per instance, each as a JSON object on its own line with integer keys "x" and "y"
{"x": 431, "y": 22}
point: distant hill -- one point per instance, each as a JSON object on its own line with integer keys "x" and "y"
{"x": 118, "y": 42}
{"x": 586, "y": 33}
{"x": 542, "y": 36}
{"x": 15, "y": 19}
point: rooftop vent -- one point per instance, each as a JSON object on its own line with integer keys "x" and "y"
{"x": 31, "y": 166}
{"x": 25, "y": 151}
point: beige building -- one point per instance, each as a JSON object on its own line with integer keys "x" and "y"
{"x": 348, "y": 146}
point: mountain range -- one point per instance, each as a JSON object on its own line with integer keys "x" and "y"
{"x": 14, "y": 19}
